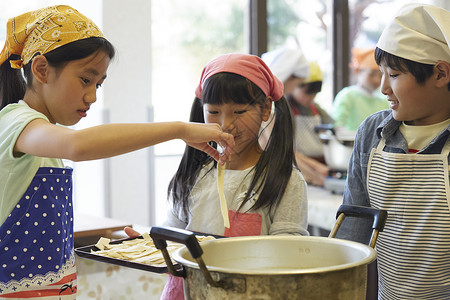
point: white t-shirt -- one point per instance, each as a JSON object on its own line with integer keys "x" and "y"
{"x": 16, "y": 173}
{"x": 288, "y": 217}
{"x": 418, "y": 137}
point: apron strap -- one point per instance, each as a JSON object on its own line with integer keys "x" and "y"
{"x": 381, "y": 144}
{"x": 446, "y": 148}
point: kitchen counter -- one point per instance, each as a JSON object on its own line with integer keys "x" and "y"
{"x": 322, "y": 208}
{"x": 99, "y": 280}
{"x": 88, "y": 229}
{"x": 87, "y": 225}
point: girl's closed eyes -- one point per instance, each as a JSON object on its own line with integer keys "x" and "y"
{"x": 215, "y": 110}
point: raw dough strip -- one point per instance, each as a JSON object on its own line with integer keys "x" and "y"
{"x": 139, "y": 250}
{"x": 223, "y": 201}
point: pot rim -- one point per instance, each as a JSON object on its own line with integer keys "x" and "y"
{"x": 370, "y": 255}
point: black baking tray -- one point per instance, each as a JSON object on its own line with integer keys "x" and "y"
{"x": 85, "y": 252}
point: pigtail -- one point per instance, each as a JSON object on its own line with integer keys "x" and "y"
{"x": 274, "y": 167}
{"x": 191, "y": 163}
{"x": 12, "y": 83}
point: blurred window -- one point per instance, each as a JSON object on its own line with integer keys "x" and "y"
{"x": 305, "y": 24}
{"x": 185, "y": 36}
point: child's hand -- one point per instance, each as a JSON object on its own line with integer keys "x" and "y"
{"x": 198, "y": 135}
{"x": 131, "y": 232}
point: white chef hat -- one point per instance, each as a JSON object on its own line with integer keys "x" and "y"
{"x": 285, "y": 62}
{"x": 419, "y": 32}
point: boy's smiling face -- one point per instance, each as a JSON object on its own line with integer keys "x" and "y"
{"x": 414, "y": 103}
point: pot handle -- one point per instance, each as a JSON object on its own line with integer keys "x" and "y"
{"x": 162, "y": 234}
{"x": 379, "y": 217}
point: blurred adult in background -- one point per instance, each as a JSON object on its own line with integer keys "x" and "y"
{"x": 356, "y": 102}
{"x": 307, "y": 115}
{"x": 293, "y": 69}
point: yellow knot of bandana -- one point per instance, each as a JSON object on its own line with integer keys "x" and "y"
{"x": 43, "y": 30}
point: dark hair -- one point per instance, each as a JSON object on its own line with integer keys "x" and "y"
{"x": 311, "y": 87}
{"x": 272, "y": 171}
{"x": 420, "y": 71}
{"x": 13, "y": 84}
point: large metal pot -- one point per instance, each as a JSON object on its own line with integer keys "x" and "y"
{"x": 268, "y": 267}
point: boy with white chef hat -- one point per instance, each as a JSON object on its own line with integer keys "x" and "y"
{"x": 400, "y": 160}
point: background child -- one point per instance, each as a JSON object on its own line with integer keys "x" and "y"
{"x": 401, "y": 157}
{"x": 291, "y": 67}
{"x": 307, "y": 115}
{"x": 265, "y": 192}
{"x": 356, "y": 102}
{"x": 64, "y": 57}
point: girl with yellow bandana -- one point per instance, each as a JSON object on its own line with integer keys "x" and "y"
{"x": 64, "y": 57}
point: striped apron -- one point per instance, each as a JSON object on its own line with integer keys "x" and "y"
{"x": 414, "y": 249}
{"x": 36, "y": 241}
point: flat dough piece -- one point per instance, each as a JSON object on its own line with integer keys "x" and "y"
{"x": 139, "y": 250}
{"x": 223, "y": 201}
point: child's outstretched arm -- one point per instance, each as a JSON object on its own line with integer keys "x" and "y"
{"x": 41, "y": 138}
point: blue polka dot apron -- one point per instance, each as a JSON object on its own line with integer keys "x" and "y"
{"x": 36, "y": 241}
{"x": 413, "y": 250}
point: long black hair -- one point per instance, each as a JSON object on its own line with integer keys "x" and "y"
{"x": 273, "y": 169}
{"x": 13, "y": 84}
{"x": 420, "y": 71}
